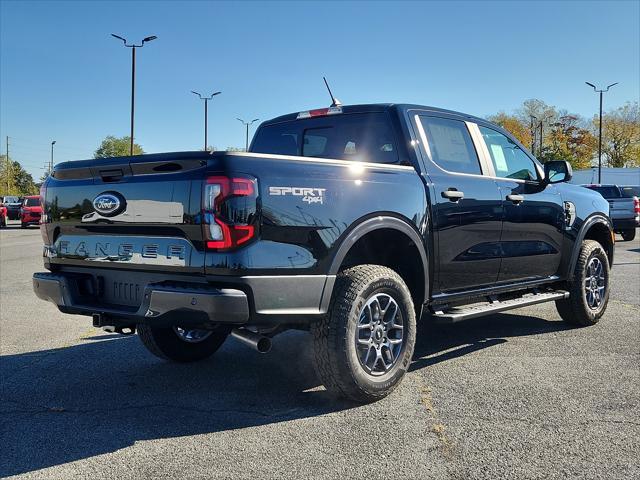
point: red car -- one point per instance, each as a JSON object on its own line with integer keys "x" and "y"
{"x": 31, "y": 211}
{"x": 3, "y": 215}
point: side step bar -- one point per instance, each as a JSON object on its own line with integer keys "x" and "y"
{"x": 464, "y": 312}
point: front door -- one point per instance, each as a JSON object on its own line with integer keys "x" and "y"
{"x": 466, "y": 206}
{"x": 532, "y": 231}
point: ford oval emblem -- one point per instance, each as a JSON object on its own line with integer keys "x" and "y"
{"x": 109, "y": 204}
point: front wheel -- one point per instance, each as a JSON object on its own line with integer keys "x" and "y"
{"x": 628, "y": 235}
{"x": 363, "y": 347}
{"x": 181, "y": 344}
{"x": 588, "y": 287}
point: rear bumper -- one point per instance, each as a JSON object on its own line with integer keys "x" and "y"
{"x": 163, "y": 304}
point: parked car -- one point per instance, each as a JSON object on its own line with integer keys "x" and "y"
{"x": 3, "y": 215}
{"x": 31, "y": 211}
{"x": 624, "y": 210}
{"x": 13, "y": 205}
{"x": 348, "y": 221}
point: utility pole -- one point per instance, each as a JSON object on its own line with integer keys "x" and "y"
{"x": 600, "y": 127}
{"x": 51, "y": 163}
{"x": 533, "y": 134}
{"x": 8, "y": 166}
{"x": 133, "y": 77}
{"x": 206, "y": 102}
{"x": 247, "y": 124}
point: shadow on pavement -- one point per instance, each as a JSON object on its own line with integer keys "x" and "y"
{"x": 67, "y": 404}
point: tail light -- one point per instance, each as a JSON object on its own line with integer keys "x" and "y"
{"x": 43, "y": 216}
{"x": 636, "y": 205}
{"x": 229, "y": 211}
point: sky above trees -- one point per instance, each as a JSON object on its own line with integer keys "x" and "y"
{"x": 64, "y": 78}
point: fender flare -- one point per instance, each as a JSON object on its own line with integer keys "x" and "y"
{"x": 588, "y": 223}
{"x": 377, "y": 223}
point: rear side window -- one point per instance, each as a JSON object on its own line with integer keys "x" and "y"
{"x": 366, "y": 137}
{"x": 451, "y": 145}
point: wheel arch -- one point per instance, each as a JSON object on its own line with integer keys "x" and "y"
{"x": 596, "y": 227}
{"x": 372, "y": 227}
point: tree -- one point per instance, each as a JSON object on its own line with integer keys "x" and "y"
{"x": 569, "y": 140}
{"x": 512, "y": 124}
{"x": 621, "y": 136}
{"x": 14, "y": 179}
{"x": 116, "y": 147}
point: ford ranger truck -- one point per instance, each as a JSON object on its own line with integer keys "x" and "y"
{"x": 351, "y": 222}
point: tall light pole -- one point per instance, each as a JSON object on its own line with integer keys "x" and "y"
{"x": 541, "y": 131}
{"x": 51, "y": 163}
{"x": 133, "y": 76}
{"x": 246, "y": 124}
{"x": 600, "y": 127}
{"x": 206, "y": 101}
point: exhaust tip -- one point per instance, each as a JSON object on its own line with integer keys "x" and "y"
{"x": 264, "y": 345}
{"x": 258, "y": 342}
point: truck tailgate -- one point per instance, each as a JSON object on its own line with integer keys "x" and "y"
{"x": 140, "y": 213}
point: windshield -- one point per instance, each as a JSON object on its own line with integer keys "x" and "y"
{"x": 11, "y": 200}
{"x": 32, "y": 202}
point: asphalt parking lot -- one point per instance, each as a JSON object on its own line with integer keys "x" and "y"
{"x": 515, "y": 395}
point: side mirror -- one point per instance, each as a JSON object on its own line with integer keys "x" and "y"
{"x": 557, "y": 171}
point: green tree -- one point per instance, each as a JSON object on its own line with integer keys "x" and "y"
{"x": 621, "y": 136}
{"x": 14, "y": 180}
{"x": 116, "y": 147}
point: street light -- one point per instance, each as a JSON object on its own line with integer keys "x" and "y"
{"x": 246, "y": 124}
{"x": 133, "y": 75}
{"x": 51, "y": 164}
{"x": 600, "y": 128}
{"x": 547, "y": 117}
{"x": 206, "y": 101}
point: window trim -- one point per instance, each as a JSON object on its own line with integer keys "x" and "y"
{"x": 481, "y": 149}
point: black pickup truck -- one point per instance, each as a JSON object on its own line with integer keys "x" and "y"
{"x": 352, "y": 222}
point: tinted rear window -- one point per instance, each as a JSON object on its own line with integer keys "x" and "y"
{"x": 366, "y": 137}
{"x": 629, "y": 192}
{"x": 606, "y": 191}
{"x": 31, "y": 202}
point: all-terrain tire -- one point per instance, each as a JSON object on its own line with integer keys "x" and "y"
{"x": 628, "y": 235}
{"x": 166, "y": 344}
{"x": 337, "y": 361}
{"x": 576, "y": 310}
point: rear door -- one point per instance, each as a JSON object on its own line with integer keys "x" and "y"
{"x": 466, "y": 205}
{"x": 533, "y": 228}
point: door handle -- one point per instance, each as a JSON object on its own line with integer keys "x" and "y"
{"x": 516, "y": 198}
{"x": 453, "y": 195}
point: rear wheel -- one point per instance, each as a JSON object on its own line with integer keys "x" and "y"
{"x": 364, "y": 345}
{"x": 628, "y": 235}
{"x": 181, "y": 344}
{"x": 588, "y": 287}
{"x": 23, "y": 225}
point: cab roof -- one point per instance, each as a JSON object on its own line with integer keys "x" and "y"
{"x": 377, "y": 107}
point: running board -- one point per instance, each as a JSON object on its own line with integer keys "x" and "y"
{"x": 464, "y": 312}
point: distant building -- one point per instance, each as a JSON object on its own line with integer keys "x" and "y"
{"x": 617, "y": 176}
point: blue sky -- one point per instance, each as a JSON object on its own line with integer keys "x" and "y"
{"x": 63, "y": 77}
